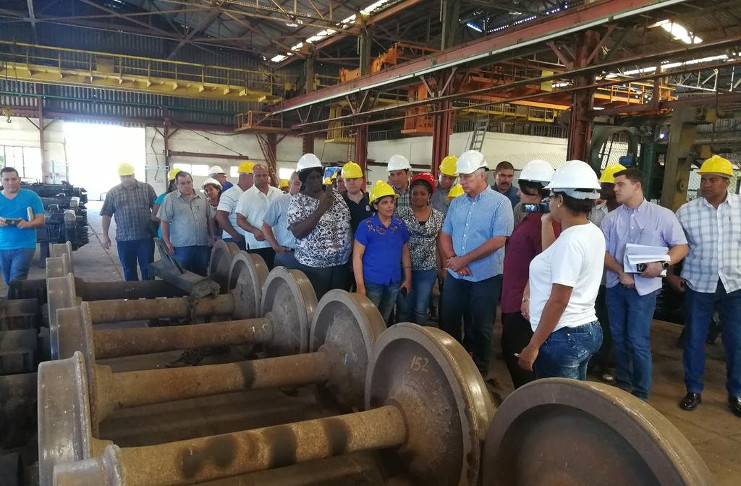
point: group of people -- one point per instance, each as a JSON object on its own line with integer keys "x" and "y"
{"x": 580, "y": 248}
{"x": 552, "y": 250}
{"x": 188, "y": 220}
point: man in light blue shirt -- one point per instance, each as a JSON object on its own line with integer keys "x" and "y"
{"x": 472, "y": 242}
{"x": 18, "y": 226}
{"x": 275, "y": 226}
{"x": 631, "y": 298}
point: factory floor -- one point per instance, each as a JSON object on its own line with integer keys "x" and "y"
{"x": 712, "y": 429}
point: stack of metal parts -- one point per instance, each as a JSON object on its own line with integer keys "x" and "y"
{"x": 330, "y": 397}
{"x": 66, "y": 214}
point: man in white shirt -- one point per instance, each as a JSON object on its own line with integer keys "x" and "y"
{"x": 251, "y": 207}
{"x": 711, "y": 279}
{"x": 226, "y": 211}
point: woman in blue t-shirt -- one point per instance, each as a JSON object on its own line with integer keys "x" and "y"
{"x": 171, "y": 186}
{"x": 381, "y": 259}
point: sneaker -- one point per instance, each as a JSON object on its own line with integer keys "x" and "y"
{"x": 607, "y": 378}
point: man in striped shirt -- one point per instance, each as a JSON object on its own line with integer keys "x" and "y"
{"x": 711, "y": 278}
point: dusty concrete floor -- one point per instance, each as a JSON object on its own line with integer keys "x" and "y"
{"x": 712, "y": 429}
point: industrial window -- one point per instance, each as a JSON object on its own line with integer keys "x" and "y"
{"x": 193, "y": 169}
{"x": 26, "y": 160}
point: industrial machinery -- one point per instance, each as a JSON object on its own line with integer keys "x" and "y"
{"x": 66, "y": 214}
{"x": 334, "y": 398}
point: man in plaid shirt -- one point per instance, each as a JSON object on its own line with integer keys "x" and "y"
{"x": 711, "y": 278}
{"x": 131, "y": 204}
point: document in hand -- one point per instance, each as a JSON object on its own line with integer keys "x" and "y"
{"x": 637, "y": 254}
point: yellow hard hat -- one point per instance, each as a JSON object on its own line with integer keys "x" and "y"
{"x": 245, "y": 167}
{"x": 455, "y": 191}
{"x": 283, "y": 183}
{"x": 172, "y": 174}
{"x": 447, "y": 166}
{"x": 716, "y": 165}
{"x": 327, "y": 181}
{"x": 351, "y": 170}
{"x": 126, "y": 169}
{"x": 608, "y": 173}
{"x": 334, "y": 176}
{"x": 379, "y": 190}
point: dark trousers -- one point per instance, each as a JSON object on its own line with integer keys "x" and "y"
{"x": 129, "y": 252}
{"x": 605, "y": 357}
{"x": 286, "y": 259}
{"x": 516, "y": 334}
{"x": 241, "y": 244}
{"x": 267, "y": 254}
{"x": 699, "y": 307}
{"x": 479, "y": 301}
{"x": 325, "y": 279}
{"x": 193, "y": 258}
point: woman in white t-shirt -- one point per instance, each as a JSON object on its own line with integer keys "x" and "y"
{"x": 564, "y": 281}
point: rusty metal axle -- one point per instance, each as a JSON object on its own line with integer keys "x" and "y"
{"x": 115, "y": 343}
{"x": 197, "y": 460}
{"x": 102, "y": 311}
{"x": 113, "y": 391}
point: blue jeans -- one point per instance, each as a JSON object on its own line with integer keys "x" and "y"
{"x": 16, "y": 263}
{"x": 131, "y": 251}
{"x": 287, "y": 259}
{"x": 566, "y": 352}
{"x": 193, "y": 258}
{"x": 241, "y": 244}
{"x": 383, "y": 297}
{"x": 699, "y": 307}
{"x": 630, "y": 325}
{"x": 478, "y": 301}
{"x": 413, "y": 307}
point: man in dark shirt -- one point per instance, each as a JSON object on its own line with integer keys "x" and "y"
{"x": 130, "y": 203}
{"x": 355, "y": 197}
{"x": 504, "y": 177}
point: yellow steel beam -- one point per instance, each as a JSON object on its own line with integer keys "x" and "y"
{"x": 37, "y": 73}
{"x": 57, "y": 65}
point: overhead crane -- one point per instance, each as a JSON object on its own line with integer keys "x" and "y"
{"x": 75, "y": 67}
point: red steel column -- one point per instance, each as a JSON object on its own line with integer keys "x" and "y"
{"x": 442, "y": 125}
{"x": 580, "y": 124}
{"x": 361, "y": 146}
{"x": 307, "y": 145}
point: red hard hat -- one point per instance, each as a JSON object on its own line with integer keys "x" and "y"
{"x": 424, "y": 176}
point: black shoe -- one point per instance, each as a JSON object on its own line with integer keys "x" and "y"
{"x": 691, "y": 401}
{"x": 735, "y": 404}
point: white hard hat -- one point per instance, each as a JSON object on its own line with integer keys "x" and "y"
{"x": 215, "y": 169}
{"x": 308, "y": 161}
{"x": 398, "y": 162}
{"x": 212, "y": 181}
{"x": 576, "y": 179}
{"x": 470, "y": 161}
{"x": 537, "y": 171}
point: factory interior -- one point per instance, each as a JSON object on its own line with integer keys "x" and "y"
{"x": 247, "y": 371}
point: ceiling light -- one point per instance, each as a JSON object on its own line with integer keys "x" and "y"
{"x": 279, "y": 58}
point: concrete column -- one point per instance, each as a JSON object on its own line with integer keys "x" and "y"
{"x": 309, "y": 73}
{"x": 450, "y": 12}
{"x": 678, "y": 163}
{"x": 364, "y": 48}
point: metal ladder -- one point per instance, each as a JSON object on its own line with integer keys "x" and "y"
{"x": 479, "y": 134}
